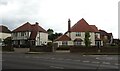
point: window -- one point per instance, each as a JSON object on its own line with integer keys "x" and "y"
{"x": 78, "y": 34}
{"x": 64, "y": 43}
{"x": 77, "y": 43}
{"x": 22, "y": 33}
{"x": 15, "y": 34}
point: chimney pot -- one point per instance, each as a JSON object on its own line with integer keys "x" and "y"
{"x": 37, "y": 23}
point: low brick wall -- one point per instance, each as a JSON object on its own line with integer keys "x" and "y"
{"x": 110, "y": 50}
{"x": 21, "y": 50}
{"x": 41, "y": 49}
{"x": 7, "y": 48}
{"x": 83, "y": 49}
{"x": 74, "y": 49}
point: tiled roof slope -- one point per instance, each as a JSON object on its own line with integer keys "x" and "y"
{"x": 95, "y": 28}
{"x": 82, "y": 26}
{"x": 24, "y": 27}
{"x": 4, "y": 29}
{"x": 28, "y": 27}
{"x": 32, "y": 28}
{"x": 63, "y": 38}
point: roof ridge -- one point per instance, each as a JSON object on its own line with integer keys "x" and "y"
{"x": 81, "y": 26}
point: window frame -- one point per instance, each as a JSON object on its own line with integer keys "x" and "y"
{"x": 64, "y": 42}
{"x": 78, "y": 33}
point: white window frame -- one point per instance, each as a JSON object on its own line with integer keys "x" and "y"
{"x": 78, "y": 33}
{"x": 64, "y": 43}
{"x": 77, "y": 43}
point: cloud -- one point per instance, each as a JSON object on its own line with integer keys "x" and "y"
{"x": 55, "y": 13}
{"x": 3, "y": 2}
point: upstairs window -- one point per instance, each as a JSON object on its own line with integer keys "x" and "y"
{"x": 15, "y": 34}
{"x": 22, "y": 33}
{"x": 78, "y": 34}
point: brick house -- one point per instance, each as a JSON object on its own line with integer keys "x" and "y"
{"x": 107, "y": 38}
{"x": 76, "y": 34}
{"x": 29, "y": 34}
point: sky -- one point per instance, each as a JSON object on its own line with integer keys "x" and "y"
{"x": 54, "y": 14}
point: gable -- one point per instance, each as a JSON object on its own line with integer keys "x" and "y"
{"x": 82, "y": 26}
{"x": 63, "y": 38}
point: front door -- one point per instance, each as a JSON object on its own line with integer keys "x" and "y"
{"x": 98, "y": 43}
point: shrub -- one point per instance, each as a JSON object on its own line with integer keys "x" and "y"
{"x": 49, "y": 44}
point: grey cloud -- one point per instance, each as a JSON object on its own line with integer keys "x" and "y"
{"x": 27, "y": 11}
{"x": 3, "y": 2}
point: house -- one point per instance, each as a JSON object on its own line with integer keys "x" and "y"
{"x": 107, "y": 38}
{"x": 30, "y": 35}
{"x": 76, "y": 34}
{"x": 116, "y": 42}
{"x": 4, "y": 33}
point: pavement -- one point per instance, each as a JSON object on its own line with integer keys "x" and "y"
{"x": 58, "y": 60}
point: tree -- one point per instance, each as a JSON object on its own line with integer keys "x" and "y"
{"x": 7, "y": 41}
{"x": 50, "y": 31}
{"x": 51, "y": 35}
{"x": 87, "y": 40}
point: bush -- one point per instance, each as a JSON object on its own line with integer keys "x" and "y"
{"x": 49, "y": 44}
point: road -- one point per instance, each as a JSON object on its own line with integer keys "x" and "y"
{"x": 58, "y": 61}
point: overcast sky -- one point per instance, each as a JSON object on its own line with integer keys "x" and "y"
{"x": 54, "y": 14}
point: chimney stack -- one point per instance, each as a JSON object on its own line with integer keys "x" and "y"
{"x": 69, "y": 25}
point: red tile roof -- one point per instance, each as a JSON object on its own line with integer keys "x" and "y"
{"x": 63, "y": 38}
{"x": 82, "y": 26}
{"x": 95, "y": 28}
{"x": 32, "y": 28}
{"x": 24, "y": 27}
{"x": 33, "y": 35}
{"x": 4, "y": 29}
{"x": 28, "y": 27}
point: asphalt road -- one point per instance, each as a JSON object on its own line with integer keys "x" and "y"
{"x": 58, "y": 61}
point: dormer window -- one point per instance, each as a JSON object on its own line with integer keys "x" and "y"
{"x": 78, "y": 34}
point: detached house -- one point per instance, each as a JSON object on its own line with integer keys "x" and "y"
{"x": 76, "y": 34}
{"x": 4, "y": 33}
{"x": 29, "y": 34}
{"x": 107, "y": 38}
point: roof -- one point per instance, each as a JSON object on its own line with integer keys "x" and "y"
{"x": 36, "y": 27}
{"x": 4, "y": 29}
{"x": 32, "y": 28}
{"x": 102, "y": 32}
{"x": 33, "y": 35}
{"x": 63, "y": 38}
{"x": 95, "y": 28}
{"x": 78, "y": 39}
{"x": 28, "y": 27}
{"x": 82, "y": 26}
